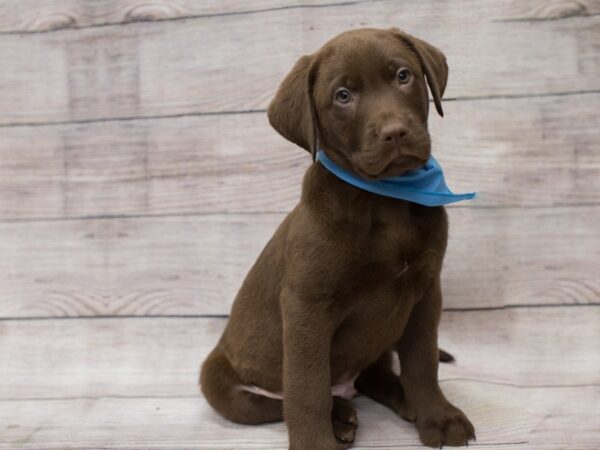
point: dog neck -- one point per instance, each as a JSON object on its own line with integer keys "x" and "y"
{"x": 342, "y": 204}
{"x": 345, "y": 210}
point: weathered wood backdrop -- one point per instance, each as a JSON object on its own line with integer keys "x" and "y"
{"x": 139, "y": 177}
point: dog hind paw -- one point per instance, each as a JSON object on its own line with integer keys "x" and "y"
{"x": 344, "y": 420}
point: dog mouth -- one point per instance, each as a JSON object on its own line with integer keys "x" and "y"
{"x": 395, "y": 167}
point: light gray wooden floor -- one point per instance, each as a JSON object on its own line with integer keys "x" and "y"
{"x": 527, "y": 377}
{"x": 139, "y": 179}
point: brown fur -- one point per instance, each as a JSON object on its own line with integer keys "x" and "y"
{"x": 349, "y": 277}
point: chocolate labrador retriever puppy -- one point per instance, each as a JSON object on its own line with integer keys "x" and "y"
{"x": 350, "y": 277}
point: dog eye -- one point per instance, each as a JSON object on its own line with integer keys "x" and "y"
{"x": 343, "y": 95}
{"x": 403, "y": 75}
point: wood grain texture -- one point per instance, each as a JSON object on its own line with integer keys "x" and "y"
{"x": 235, "y": 62}
{"x": 535, "y": 10}
{"x": 30, "y": 16}
{"x": 160, "y": 357}
{"x": 504, "y": 417}
{"x": 514, "y": 152}
{"x": 131, "y": 383}
{"x": 195, "y": 264}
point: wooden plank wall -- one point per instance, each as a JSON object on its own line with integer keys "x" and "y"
{"x": 134, "y": 142}
{"x": 139, "y": 179}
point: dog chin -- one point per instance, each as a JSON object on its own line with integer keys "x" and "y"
{"x": 397, "y": 167}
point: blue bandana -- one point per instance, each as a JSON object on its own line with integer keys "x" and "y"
{"x": 425, "y": 186}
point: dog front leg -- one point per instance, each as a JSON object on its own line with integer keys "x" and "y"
{"x": 438, "y": 422}
{"x": 307, "y": 400}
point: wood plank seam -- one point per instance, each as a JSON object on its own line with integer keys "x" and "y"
{"x": 573, "y": 205}
{"x": 199, "y": 395}
{"x": 226, "y": 316}
{"x": 263, "y": 111}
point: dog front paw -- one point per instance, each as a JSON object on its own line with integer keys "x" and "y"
{"x": 446, "y": 426}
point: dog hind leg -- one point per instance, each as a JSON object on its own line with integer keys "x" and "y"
{"x": 380, "y": 383}
{"x": 221, "y": 387}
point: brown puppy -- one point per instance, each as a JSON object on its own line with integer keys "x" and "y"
{"x": 349, "y": 277}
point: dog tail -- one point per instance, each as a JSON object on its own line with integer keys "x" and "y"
{"x": 445, "y": 357}
{"x": 221, "y": 387}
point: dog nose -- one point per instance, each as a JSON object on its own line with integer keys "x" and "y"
{"x": 393, "y": 133}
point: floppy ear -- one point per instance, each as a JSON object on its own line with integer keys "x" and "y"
{"x": 434, "y": 65}
{"x": 292, "y": 112}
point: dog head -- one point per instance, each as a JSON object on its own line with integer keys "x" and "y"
{"x": 363, "y": 97}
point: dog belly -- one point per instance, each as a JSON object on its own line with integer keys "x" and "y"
{"x": 344, "y": 389}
